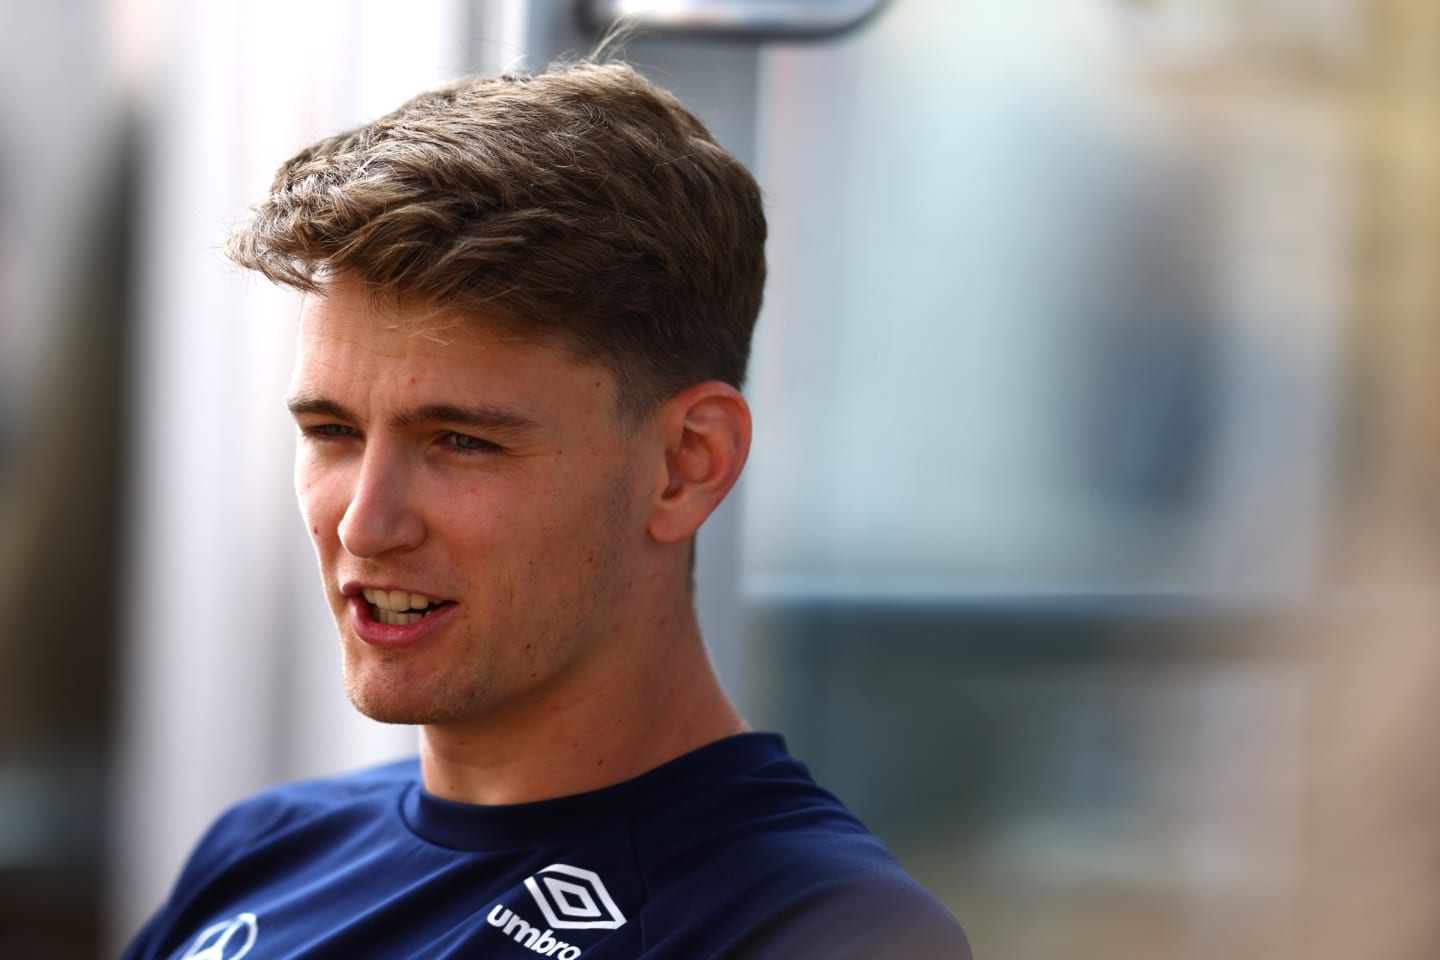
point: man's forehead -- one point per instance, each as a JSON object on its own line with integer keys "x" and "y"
{"x": 348, "y": 312}
{"x": 347, "y": 333}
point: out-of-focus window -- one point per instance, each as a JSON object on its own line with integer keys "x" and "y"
{"x": 1056, "y": 304}
{"x": 1093, "y": 349}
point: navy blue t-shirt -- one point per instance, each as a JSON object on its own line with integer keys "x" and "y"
{"x": 730, "y": 851}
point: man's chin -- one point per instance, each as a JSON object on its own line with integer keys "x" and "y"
{"x": 388, "y": 713}
{"x": 386, "y": 698}
{"x": 389, "y": 706}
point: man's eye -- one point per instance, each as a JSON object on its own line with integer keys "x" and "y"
{"x": 468, "y": 444}
{"x": 329, "y": 431}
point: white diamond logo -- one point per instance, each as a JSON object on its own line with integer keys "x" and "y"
{"x": 573, "y": 899}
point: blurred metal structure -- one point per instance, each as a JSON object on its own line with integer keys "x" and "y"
{"x": 756, "y": 19}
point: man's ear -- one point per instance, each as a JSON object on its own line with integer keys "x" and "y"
{"x": 707, "y": 438}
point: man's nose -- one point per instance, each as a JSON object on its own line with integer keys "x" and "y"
{"x": 381, "y": 516}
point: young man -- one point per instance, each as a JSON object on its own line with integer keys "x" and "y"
{"x": 528, "y": 311}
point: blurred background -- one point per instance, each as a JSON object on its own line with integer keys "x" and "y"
{"x": 1090, "y": 541}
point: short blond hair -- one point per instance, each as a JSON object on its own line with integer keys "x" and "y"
{"x": 582, "y": 203}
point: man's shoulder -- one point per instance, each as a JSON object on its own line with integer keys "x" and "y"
{"x": 815, "y": 887}
{"x": 325, "y": 793}
{"x": 764, "y": 816}
{"x": 780, "y": 865}
{"x": 296, "y": 804}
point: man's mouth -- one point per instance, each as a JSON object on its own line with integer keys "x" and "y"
{"x": 399, "y": 608}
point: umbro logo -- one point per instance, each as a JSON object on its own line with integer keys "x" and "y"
{"x": 574, "y": 899}
{"x": 571, "y": 899}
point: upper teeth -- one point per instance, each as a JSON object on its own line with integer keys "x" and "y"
{"x": 396, "y": 600}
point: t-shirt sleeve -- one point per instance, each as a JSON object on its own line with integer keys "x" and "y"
{"x": 238, "y": 827}
{"x": 900, "y": 922}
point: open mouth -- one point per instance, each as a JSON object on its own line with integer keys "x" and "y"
{"x": 399, "y": 608}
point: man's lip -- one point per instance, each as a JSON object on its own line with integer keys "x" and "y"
{"x": 377, "y": 634}
{"x": 357, "y": 588}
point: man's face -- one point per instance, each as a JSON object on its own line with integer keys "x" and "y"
{"x": 476, "y": 508}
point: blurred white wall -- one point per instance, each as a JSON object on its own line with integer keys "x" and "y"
{"x": 231, "y": 673}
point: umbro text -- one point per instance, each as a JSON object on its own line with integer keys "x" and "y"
{"x": 540, "y": 941}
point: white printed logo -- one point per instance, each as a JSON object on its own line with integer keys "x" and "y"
{"x": 219, "y": 942}
{"x": 543, "y": 942}
{"x": 573, "y": 899}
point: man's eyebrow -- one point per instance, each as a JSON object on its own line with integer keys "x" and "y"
{"x": 482, "y": 418}
{"x": 314, "y": 405}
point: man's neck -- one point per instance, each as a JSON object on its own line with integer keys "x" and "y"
{"x": 660, "y": 703}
